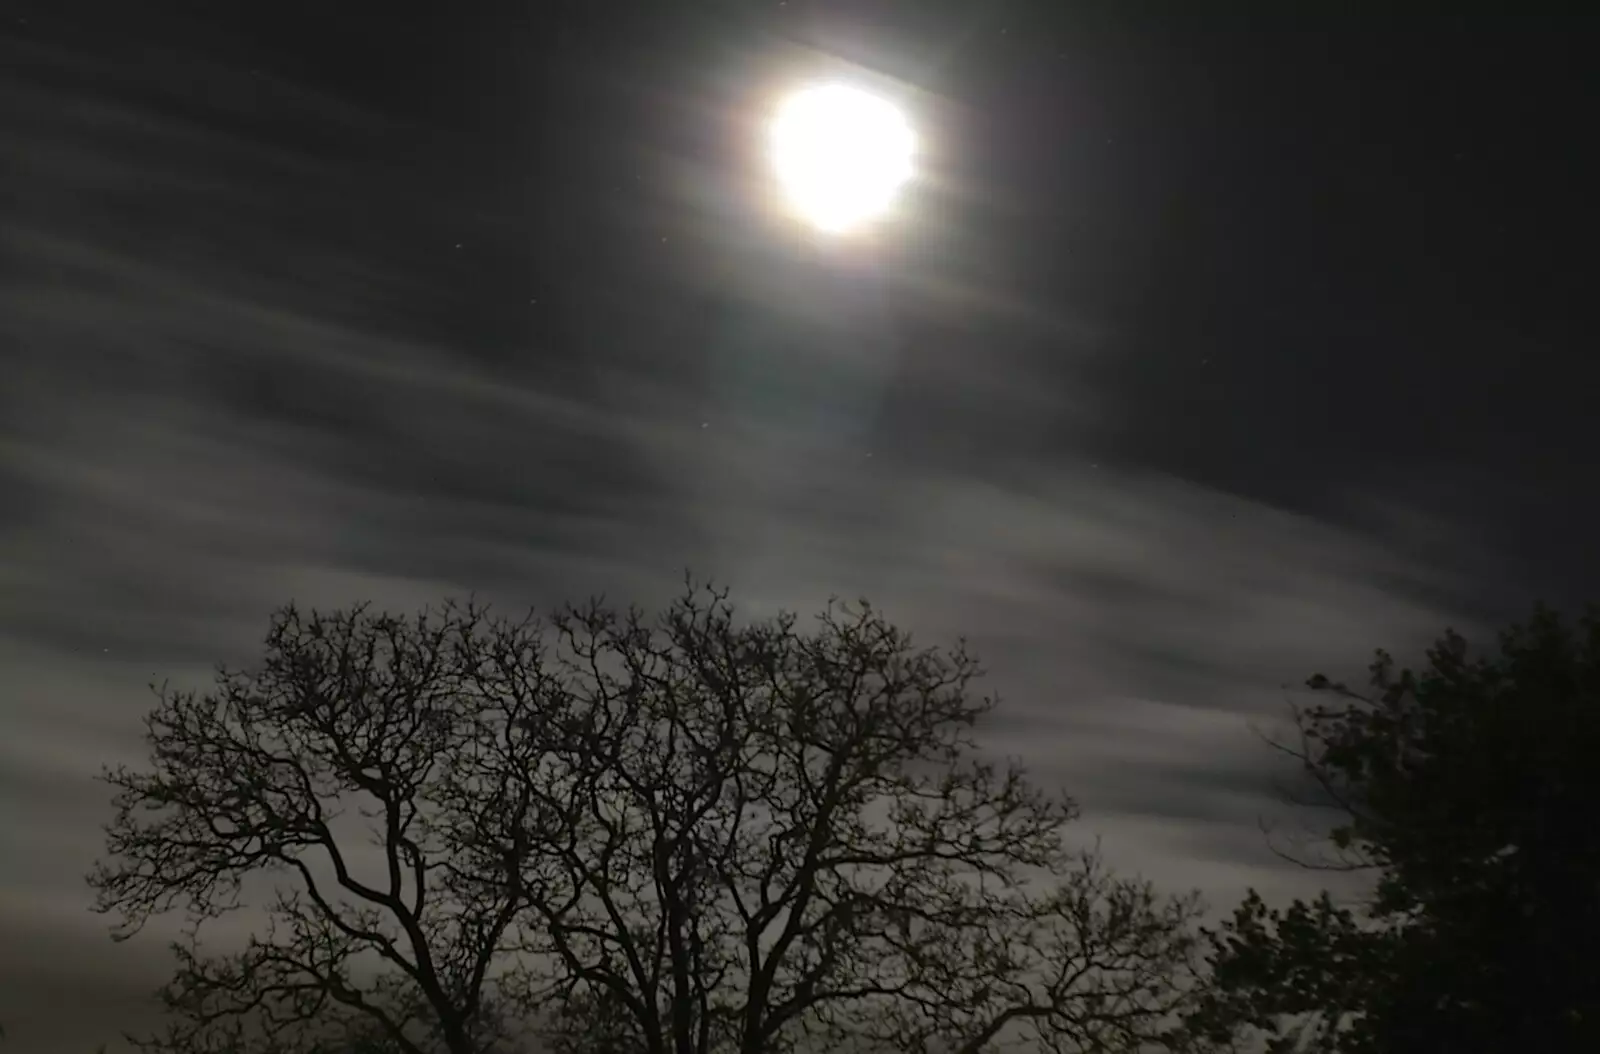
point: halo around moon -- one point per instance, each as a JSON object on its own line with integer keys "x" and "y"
{"x": 840, "y": 155}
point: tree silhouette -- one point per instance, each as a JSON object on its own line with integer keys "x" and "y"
{"x": 353, "y": 771}
{"x": 1468, "y": 789}
{"x": 684, "y": 834}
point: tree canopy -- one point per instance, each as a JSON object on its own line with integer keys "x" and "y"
{"x": 1468, "y": 789}
{"x": 685, "y": 833}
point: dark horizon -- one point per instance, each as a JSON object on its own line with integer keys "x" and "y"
{"x": 1208, "y": 354}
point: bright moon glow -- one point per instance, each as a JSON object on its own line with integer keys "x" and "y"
{"x": 840, "y": 154}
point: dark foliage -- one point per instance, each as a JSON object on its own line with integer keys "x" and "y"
{"x": 1470, "y": 789}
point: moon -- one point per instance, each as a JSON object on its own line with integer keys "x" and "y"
{"x": 840, "y": 155}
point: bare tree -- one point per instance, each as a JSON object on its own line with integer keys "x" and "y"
{"x": 681, "y": 835}
{"x": 372, "y": 772}
{"x": 787, "y": 836}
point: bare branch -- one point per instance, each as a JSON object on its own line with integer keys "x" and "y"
{"x": 687, "y": 834}
{"x": 353, "y": 724}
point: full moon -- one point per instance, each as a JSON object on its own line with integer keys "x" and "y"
{"x": 840, "y": 154}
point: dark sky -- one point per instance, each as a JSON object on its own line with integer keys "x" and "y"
{"x": 1206, "y": 353}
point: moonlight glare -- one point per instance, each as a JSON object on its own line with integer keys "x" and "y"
{"x": 840, "y": 154}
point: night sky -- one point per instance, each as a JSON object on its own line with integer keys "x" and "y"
{"x": 1205, "y": 353}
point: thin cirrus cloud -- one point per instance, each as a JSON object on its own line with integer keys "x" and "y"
{"x": 193, "y": 432}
